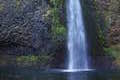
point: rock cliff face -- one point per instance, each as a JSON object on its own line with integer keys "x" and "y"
{"x": 19, "y": 19}
{"x": 33, "y": 27}
{"x": 109, "y": 12}
{"x": 38, "y": 27}
{"x": 22, "y": 22}
{"x": 26, "y": 27}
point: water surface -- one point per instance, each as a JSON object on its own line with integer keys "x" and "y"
{"x": 14, "y": 73}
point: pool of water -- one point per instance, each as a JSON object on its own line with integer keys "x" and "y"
{"x": 13, "y": 73}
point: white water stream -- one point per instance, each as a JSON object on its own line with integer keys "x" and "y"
{"x": 77, "y": 46}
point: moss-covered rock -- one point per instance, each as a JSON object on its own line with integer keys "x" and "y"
{"x": 114, "y": 52}
{"x": 109, "y": 12}
{"x": 42, "y": 61}
{"x": 109, "y": 34}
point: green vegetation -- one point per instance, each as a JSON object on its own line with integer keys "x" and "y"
{"x": 100, "y": 28}
{"x": 57, "y": 27}
{"x": 57, "y": 3}
{"x": 59, "y": 30}
{"x": 101, "y": 36}
{"x": 108, "y": 13}
{"x": 114, "y": 51}
{"x": 42, "y": 60}
{"x": 1, "y": 6}
{"x": 32, "y": 60}
{"x": 18, "y": 2}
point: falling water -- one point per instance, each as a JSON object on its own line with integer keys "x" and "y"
{"x": 77, "y": 46}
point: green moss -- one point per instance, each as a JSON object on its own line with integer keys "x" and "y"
{"x": 58, "y": 28}
{"x": 100, "y": 27}
{"x": 47, "y": 14}
{"x": 23, "y": 61}
{"x": 1, "y": 6}
{"x": 31, "y": 60}
{"x": 108, "y": 14}
{"x": 101, "y": 36}
{"x": 57, "y": 3}
{"x": 113, "y": 51}
{"x": 18, "y": 2}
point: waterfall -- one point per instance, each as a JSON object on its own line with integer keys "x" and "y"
{"x": 77, "y": 46}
